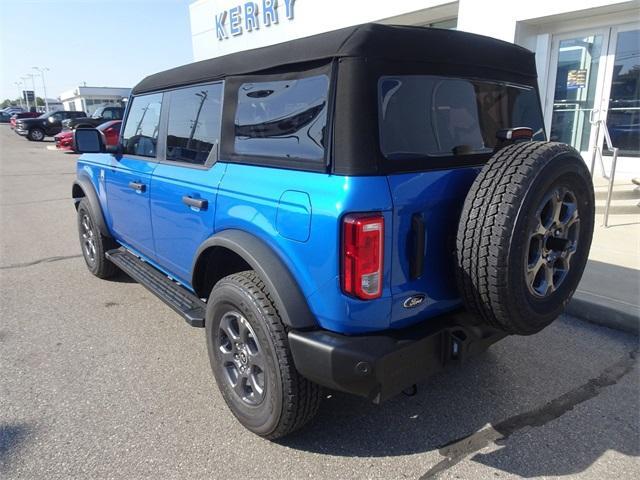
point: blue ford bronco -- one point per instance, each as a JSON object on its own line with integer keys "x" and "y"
{"x": 353, "y": 210}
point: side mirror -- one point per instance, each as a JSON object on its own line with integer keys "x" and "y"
{"x": 87, "y": 140}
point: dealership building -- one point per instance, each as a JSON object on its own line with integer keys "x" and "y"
{"x": 587, "y": 51}
{"x": 88, "y": 99}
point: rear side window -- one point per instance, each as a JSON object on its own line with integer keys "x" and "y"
{"x": 110, "y": 114}
{"x": 140, "y": 134}
{"x": 424, "y": 116}
{"x": 194, "y": 123}
{"x": 283, "y": 118}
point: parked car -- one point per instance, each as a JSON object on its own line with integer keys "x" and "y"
{"x": 12, "y": 110}
{"x": 110, "y": 135}
{"x": 349, "y": 210}
{"x": 5, "y": 117}
{"x": 47, "y": 125}
{"x": 64, "y": 140}
{"x": 101, "y": 115}
{"x": 16, "y": 116}
{"x": 110, "y": 132}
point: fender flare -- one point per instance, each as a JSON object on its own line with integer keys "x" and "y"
{"x": 85, "y": 184}
{"x": 287, "y": 295}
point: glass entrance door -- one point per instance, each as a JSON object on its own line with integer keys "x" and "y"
{"x": 577, "y": 90}
{"x": 622, "y": 104}
{"x": 595, "y": 75}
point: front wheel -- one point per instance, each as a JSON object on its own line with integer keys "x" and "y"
{"x": 251, "y": 361}
{"x": 93, "y": 243}
{"x": 36, "y": 135}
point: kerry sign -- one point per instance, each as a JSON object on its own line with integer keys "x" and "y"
{"x": 251, "y": 16}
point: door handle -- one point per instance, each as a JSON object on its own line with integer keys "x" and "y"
{"x": 200, "y": 203}
{"x": 137, "y": 186}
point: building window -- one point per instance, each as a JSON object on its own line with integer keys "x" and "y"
{"x": 449, "y": 24}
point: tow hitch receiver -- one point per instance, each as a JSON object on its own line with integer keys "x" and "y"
{"x": 379, "y": 366}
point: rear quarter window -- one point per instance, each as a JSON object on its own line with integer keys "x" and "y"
{"x": 282, "y": 119}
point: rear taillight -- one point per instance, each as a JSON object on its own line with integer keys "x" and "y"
{"x": 362, "y": 255}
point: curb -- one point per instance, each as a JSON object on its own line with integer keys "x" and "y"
{"x": 605, "y": 312}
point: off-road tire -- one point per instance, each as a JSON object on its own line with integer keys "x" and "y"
{"x": 36, "y": 134}
{"x": 290, "y": 400}
{"x": 97, "y": 262}
{"x": 493, "y": 239}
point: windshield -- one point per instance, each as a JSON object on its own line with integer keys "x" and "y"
{"x": 431, "y": 116}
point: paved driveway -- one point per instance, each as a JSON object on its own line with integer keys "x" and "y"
{"x": 98, "y": 379}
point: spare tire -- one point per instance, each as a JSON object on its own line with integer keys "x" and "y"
{"x": 524, "y": 236}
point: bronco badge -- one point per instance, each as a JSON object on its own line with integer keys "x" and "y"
{"x": 414, "y": 301}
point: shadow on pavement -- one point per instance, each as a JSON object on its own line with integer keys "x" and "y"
{"x": 520, "y": 383}
{"x": 12, "y": 437}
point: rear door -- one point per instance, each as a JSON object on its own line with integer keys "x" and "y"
{"x": 436, "y": 132}
{"x": 128, "y": 179}
{"x": 185, "y": 183}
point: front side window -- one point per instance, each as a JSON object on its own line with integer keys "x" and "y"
{"x": 424, "y": 116}
{"x": 194, "y": 123}
{"x": 140, "y": 134}
{"x": 283, "y": 118}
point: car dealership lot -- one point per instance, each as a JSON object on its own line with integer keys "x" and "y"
{"x": 99, "y": 379}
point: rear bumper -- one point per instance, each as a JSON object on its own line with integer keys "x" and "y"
{"x": 379, "y": 366}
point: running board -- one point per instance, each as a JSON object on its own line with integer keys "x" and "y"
{"x": 190, "y": 307}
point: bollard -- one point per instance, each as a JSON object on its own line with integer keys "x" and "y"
{"x": 610, "y": 192}
{"x": 595, "y": 150}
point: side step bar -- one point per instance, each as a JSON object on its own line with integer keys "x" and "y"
{"x": 190, "y": 307}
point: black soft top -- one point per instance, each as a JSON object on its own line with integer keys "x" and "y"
{"x": 372, "y": 41}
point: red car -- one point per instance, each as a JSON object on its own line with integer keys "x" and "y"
{"x": 110, "y": 132}
{"x": 64, "y": 140}
{"x": 17, "y": 116}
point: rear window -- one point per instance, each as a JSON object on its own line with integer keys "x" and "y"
{"x": 283, "y": 118}
{"x": 194, "y": 123}
{"x": 423, "y": 116}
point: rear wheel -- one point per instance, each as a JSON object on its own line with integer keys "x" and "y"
{"x": 251, "y": 360}
{"x": 36, "y": 134}
{"x": 524, "y": 235}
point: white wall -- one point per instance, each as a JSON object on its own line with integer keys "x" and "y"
{"x": 310, "y": 17}
{"x": 498, "y": 18}
{"x": 504, "y": 19}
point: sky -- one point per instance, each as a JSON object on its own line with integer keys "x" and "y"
{"x": 110, "y": 43}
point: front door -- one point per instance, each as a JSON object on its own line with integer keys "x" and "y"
{"x": 128, "y": 181}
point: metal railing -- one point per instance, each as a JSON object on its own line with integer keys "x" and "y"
{"x": 597, "y": 150}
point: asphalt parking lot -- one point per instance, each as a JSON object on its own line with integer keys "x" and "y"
{"x": 99, "y": 379}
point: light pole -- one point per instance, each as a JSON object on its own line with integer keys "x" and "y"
{"x": 26, "y": 97}
{"x": 44, "y": 86}
{"x": 33, "y": 82}
{"x": 18, "y": 84}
